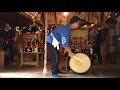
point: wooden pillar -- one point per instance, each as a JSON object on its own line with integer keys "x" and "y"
{"x": 1, "y": 60}
{"x": 55, "y": 18}
{"x": 104, "y": 45}
{"x": 111, "y": 51}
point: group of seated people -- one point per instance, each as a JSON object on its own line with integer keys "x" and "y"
{"x": 8, "y": 36}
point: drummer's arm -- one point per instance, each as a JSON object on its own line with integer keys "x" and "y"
{"x": 66, "y": 43}
{"x": 68, "y": 49}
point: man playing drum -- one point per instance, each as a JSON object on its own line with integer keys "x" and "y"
{"x": 61, "y": 35}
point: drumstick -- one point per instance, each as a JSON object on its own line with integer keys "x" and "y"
{"x": 78, "y": 59}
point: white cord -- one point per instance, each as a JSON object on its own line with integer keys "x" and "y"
{"x": 45, "y": 54}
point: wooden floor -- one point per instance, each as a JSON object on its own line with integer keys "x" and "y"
{"x": 98, "y": 71}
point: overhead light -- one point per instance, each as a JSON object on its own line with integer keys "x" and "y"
{"x": 108, "y": 16}
{"x": 33, "y": 17}
{"x": 65, "y": 13}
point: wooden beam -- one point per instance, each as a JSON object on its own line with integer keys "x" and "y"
{"x": 56, "y": 18}
{"x": 25, "y": 15}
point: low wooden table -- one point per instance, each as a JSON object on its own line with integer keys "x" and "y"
{"x": 31, "y": 62}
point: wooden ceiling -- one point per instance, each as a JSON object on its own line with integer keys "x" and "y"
{"x": 23, "y": 18}
{"x": 59, "y": 18}
{"x": 14, "y": 19}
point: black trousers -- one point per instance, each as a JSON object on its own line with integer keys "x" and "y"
{"x": 54, "y": 56}
{"x": 97, "y": 50}
{"x": 10, "y": 47}
{"x": 118, "y": 55}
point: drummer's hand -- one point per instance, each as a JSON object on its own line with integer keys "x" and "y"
{"x": 68, "y": 49}
{"x": 71, "y": 54}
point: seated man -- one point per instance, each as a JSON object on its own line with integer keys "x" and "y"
{"x": 8, "y": 36}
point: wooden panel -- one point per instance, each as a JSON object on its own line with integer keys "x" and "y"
{"x": 1, "y": 60}
{"x": 61, "y": 19}
{"x": 80, "y": 33}
{"x": 94, "y": 17}
{"x": 51, "y": 18}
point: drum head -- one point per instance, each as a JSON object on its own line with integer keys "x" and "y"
{"x": 78, "y": 66}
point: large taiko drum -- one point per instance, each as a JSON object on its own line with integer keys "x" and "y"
{"x": 80, "y": 63}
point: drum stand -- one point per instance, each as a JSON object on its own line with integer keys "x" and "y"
{"x": 67, "y": 67}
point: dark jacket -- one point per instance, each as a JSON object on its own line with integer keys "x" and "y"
{"x": 7, "y": 34}
{"x": 98, "y": 36}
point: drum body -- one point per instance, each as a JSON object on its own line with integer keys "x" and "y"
{"x": 78, "y": 66}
